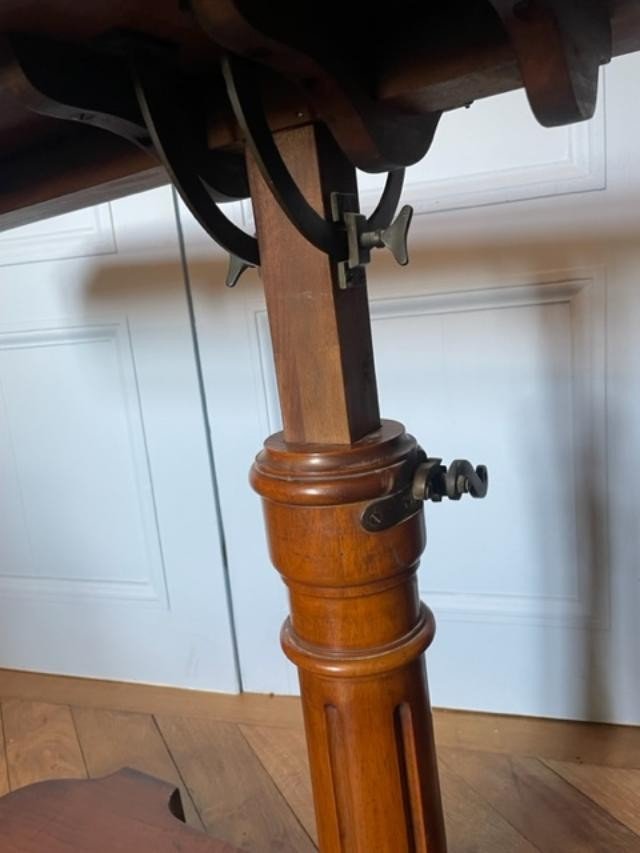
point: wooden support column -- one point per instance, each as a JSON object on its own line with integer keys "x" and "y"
{"x": 357, "y": 630}
{"x": 321, "y": 335}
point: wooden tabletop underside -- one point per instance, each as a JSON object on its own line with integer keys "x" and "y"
{"x": 426, "y": 61}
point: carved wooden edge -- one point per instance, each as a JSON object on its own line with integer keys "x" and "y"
{"x": 419, "y": 78}
{"x": 560, "y": 46}
{"x": 149, "y": 792}
{"x": 89, "y": 168}
{"x": 366, "y": 663}
{"x": 374, "y": 137}
{"x": 315, "y": 475}
{"x": 91, "y": 815}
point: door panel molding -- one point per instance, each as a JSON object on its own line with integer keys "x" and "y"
{"x": 107, "y": 346}
{"x": 80, "y": 234}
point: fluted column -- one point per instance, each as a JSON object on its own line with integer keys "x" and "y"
{"x": 357, "y": 633}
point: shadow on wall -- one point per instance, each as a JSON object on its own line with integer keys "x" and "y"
{"x": 599, "y": 654}
{"x": 112, "y": 547}
{"x": 583, "y": 661}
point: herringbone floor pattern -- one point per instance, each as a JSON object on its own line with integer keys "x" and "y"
{"x": 510, "y": 785}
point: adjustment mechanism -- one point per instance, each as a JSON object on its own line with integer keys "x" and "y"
{"x": 138, "y": 92}
{"x": 236, "y": 269}
{"x": 433, "y": 481}
{"x": 365, "y": 234}
{"x": 393, "y": 238}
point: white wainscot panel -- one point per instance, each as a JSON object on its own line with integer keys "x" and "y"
{"x": 75, "y": 491}
{"x": 497, "y": 152}
{"x": 514, "y": 378}
{"x": 82, "y": 233}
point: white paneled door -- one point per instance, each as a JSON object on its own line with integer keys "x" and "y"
{"x": 511, "y": 339}
{"x": 110, "y": 556}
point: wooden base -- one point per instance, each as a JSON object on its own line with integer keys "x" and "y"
{"x": 357, "y": 633}
{"x": 126, "y": 811}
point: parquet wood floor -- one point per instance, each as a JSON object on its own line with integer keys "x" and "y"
{"x": 510, "y": 785}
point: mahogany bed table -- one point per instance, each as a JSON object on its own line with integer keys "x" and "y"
{"x": 280, "y": 102}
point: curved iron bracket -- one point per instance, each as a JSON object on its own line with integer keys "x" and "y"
{"x": 374, "y": 137}
{"x": 332, "y": 237}
{"x": 385, "y": 210}
{"x": 179, "y": 145}
{"x": 246, "y": 101}
{"x": 72, "y": 83}
{"x": 147, "y": 101}
{"x": 158, "y": 114}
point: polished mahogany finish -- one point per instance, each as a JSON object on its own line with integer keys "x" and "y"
{"x": 343, "y": 86}
{"x": 357, "y": 629}
{"x": 127, "y": 811}
{"x": 413, "y": 63}
{"x": 357, "y": 633}
{"x": 321, "y": 335}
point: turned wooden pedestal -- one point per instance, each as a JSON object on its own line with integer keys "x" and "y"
{"x": 357, "y": 630}
{"x": 357, "y": 633}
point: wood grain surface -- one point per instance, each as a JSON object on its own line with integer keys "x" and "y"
{"x": 320, "y": 334}
{"x": 41, "y": 743}
{"x": 508, "y": 783}
{"x": 236, "y": 797}
{"x": 428, "y": 68}
{"x": 515, "y": 791}
{"x": 125, "y": 811}
{"x": 114, "y": 739}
